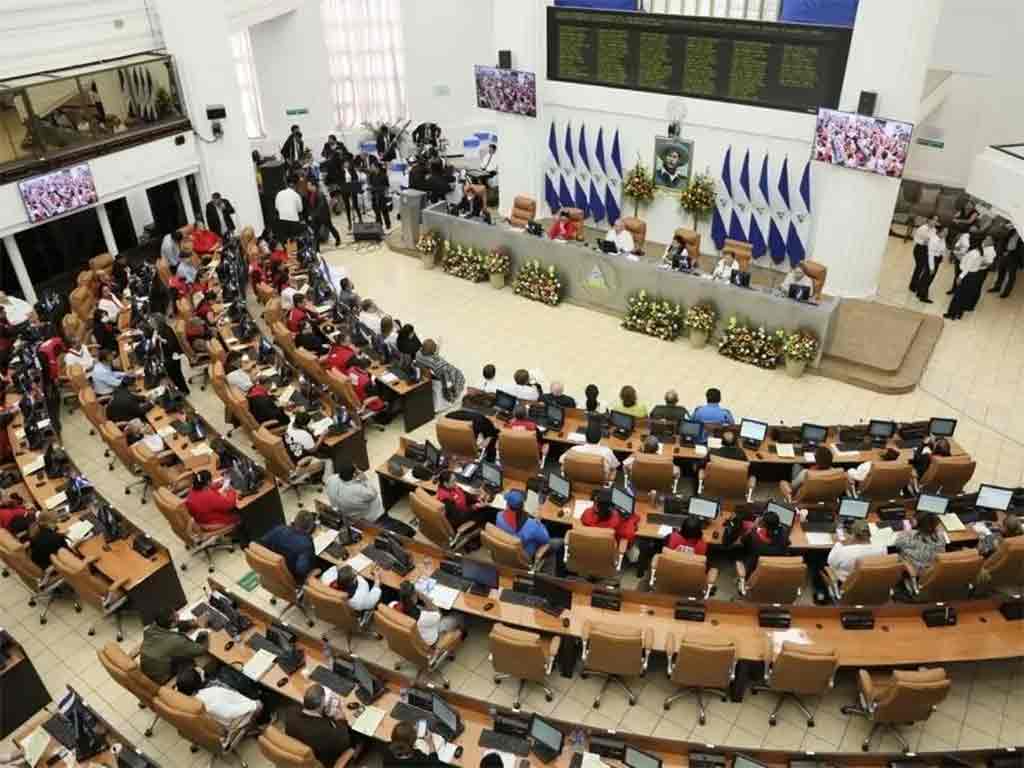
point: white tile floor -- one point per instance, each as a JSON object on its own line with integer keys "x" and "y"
{"x": 974, "y": 375}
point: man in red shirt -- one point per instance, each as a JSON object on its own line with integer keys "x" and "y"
{"x": 603, "y": 515}
{"x": 564, "y": 228}
{"x": 50, "y": 351}
{"x": 209, "y": 507}
{"x": 10, "y": 510}
{"x": 339, "y": 358}
{"x": 298, "y": 315}
{"x": 689, "y": 537}
{"x": 521, "y": 420}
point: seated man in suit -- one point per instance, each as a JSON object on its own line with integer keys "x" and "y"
{"x": 295, "y": 544}
{"x": 622, "y": 238}
{"x": 125, "y": 405}
{"x": 471, "y": 206}
{"x": 320, "y": 724}
{"x": 671, "y": 410}
{"x": 563, "y": 227}
{"x": 556, "y": 396}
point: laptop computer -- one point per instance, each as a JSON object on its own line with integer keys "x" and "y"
{"x": 991, "y": 500}
{"x": 799, "y": 292}
{"x": 786, "y": 514}
{"x": 546, "y": 741}
{"x": 607, "y": 246}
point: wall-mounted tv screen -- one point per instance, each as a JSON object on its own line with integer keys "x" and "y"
{"x": 59, "y": 192}
{"x": 506, "y": 90}
{"x": 862, "y": 142}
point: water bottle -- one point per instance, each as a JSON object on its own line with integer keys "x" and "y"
{"x": 576, "y": 740}
{"x": 328, "y": 654}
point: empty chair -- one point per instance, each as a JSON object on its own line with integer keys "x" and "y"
{"x": 198, "y": 361}
{"x": 522, "y": 655}
{"x": 798, "y": 670}
{"x": 331, "y": 605}
{"x": 281, "y": 465}
{"x": 93, "y": 409}
{"x": 285, "y": 752}
{"x": 105, "y": 596}
{"x": 651, "y": 472}
{"x": 899, "y": 698}
{"x": 1004, "y": 569}
{"x": 189, "y": 716}
{"x": 196, "y": 540}
{"x": 404, "y": 638}
{"x": 273, "y": 313}
{"x": 126, "y": 673}
{"x": 507, "y": 550}
{"x": 638, "y": 229}
{"x": 276, "y": 579}
{"x": 727, "y": 479}
{"x": 457, "y": 438}
{"x": 435, "y": 525}
{"x": 524, "y": 210}
{"x": 682, "y": 573}
{"x": 871, "y": 582}
{"x": 820, "y": 485}
{"x": 614, "y": 652}
{"x": 175, "y": 476}
{"x": 774, "y": 580}
{"x": 520, "y": 454}
{"x": 699, "y": 665}
{"x": 587, "y": 469}
{"x": 952, "y": 576}
{"x": 593, "y": 553}
{"x": 947, "y": 474}
{"x": 885, "y": 480}
{"x": 42, "y": 585}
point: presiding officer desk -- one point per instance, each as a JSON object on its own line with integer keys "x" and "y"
{"x": 593, "y": 278}
{"x": 151, "y": 583}
{"x": 478, "y": 715}
{"x": 22, "y": 692}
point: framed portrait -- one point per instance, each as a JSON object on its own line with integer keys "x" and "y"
{"x": 673, "y": 162}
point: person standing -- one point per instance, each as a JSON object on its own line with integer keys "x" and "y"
{"x": 379, "y": 188}
{"x": 288, "y": 203}
{"x": 960, "y": 249}
{"x": 921, "y": 237}
{"x": 971, "y": 276}
{"x": 350, "y": 188}
{"x": 219, "y": 212}
{"x": 293, "y": 148}
{"x": 321, "y": 216}
{"x": 936, "y": 251}
{"x": 1009, "y": 263}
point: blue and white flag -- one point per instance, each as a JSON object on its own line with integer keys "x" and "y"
{"x": 739, "y": 220}
{"x": 780, "y": 217}
{"x": 800, "y": 221}
{"x": 595, "y": 205}
{"x": 552, "y": 172}
{"x": 723, "y": 203}
{"x": 759, "y": 203}
{"x": 613, "y": 183}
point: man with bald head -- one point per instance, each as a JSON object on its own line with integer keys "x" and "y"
{"x": 556, "y": 396}
{"x": 671, "y": 410}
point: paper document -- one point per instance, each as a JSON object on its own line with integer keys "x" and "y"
{"x": 714, "y": 443}
{"x": 446, "y": 753}
{"x": 815, "y": 539}
{"x": 664, "y": 530}
{"x": 785, "y": 450}
{"x": 883, "y": 536}
{"x": 388, "y": 378}
{"x": 328, "y": 577}
{"x": 498, "y": 502}
{"x": 952, "y": 523}
{"x": 321, "y": 426}
{"x": 532, "y": 502}
{"x": 35, "y": 745}
{"x": 359, "y": 563}
{"x": 259, "y": 665}
{"x": 700, "y": 450}
{"x": 368, "y": 722}
{"x": 43, "y": 423}
{"x": 167, "y": 431}
{"x": 576, "y": 437}
{"x": 981, "y": 529}
{"x": 581, "y": 506}
{"x": 323, "y": 540}
{"x": 286, "y": 395}
{"x": 79, "y": 530}
{"x": 444, "y": 597}
{"x": 34, "y": 466}
{"x": 56, "y": 500}
{"x": 321, "y": 308}
{"x": 201, "y": 450}
{"x": 808, "y": 457}
{"x": 591, "y": 760}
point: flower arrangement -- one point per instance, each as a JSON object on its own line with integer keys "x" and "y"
{"x": 429, "y": 242}
{"x": 538, "y": 283}
{"x": 698, "y": 199}
{"x": 756, "y": 346}
{"x": 464, "y": 261}
{"x": 639, "y": 185}
{"x": 655, "y": 317}
{"x": 701, "y": 318}
{"x": 499, "y": 262}
{"x": 800, "y": 345}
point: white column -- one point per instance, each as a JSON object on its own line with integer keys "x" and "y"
{"x": 140, "y": 210}
{"x": 14, "y": 254}
{"x": 108, "y": 233}
{"x": 890, "y": 54}
{"x": 202, "y": 56}
{"x": 186, "y": 200}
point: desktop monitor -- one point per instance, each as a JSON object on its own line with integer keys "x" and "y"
{"x": 753, "y": 431}
{"x": 484, "y": 574}
{"x": 881, "y": 430}
{"x": 742, "y": 761}
{"x": 800, "y": 292}
{"x": 559, "y": 486}
{"x": 447, "y": 718}
{"x": 994, "y": 497}
{"x": 689, "y": 429}
{"x": 503, "y": 401}
{"x": 941, "y": 427}
{"x": 58, "y": 192}
{"x": 545, "y": 734}
{"x": 557, "y": 597}
{"x": 431, "y": 455}
{"x": 280, "y": 636}
{"x": 881, "y": 147}
{"x": 491, "y": 474}
{"x": 813, "y": 433}
{"x": 929, "y": 502}
{"x": 704, "y": 508}
{"x": 634, "y": 758}
{"x": 364, "y": 679}
{"x": 555, "y": 416}
{"x": 623, "y": 501}
{"x": 853, "y": 509}
{"x": 622, "y": 421}
{"x": 786, "y": 514}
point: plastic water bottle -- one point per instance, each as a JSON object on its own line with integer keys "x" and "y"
{"x": 328, "y": 654}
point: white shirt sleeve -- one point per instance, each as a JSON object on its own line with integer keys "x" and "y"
{"x": 429, "y": 626}
{"x": 227, "y": 707}
{"x": 860, "y": 472}
{"x": 366, "y": 597}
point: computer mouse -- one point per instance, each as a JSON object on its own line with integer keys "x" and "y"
{"x": 488, "y": 605}
{"x": 629, "y": 444}
{"x": 716, "y": 535}
{"x": 458, "y": 752}
{"x": 565, "y": 622}
{"x": 758, "y": 454}
{"x": 561, "y": 513}
{"x": 353, "y": 705}
{"x": 282, "y": 682}
{"x": 229, "y": 645}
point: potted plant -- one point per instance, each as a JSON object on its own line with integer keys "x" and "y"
{"x": 428, "y": 245}
{"x": 499, "y": 264}
{"x": 800, "y": 348}
{"x": 639, "y": 186}
{"x": 538, "y": 283}
{"x": 700, "y": 321}
{"x": 698, "y": 199}
{"x": 653, "y": 316}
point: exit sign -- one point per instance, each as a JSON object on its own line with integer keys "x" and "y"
{"x": 935, "y": 143}
{"x": 296, "y": 111}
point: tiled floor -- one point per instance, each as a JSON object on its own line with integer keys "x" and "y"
{"x": 974, "y": 376}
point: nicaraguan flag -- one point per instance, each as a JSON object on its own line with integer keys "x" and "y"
{"x": 553, "y": 172}
{"x": 616, "y": 157}
{"x": 565, "y": 198}
{"x": 598, "y": 174}
{"x": 758, "y": 246}
{"x": 794, "y": 245}
{"x": 723, "y": 207}
{"x": 613, "y": 182}
{"x": 799, "y": 222}
{"x": 739, "y": 221}
{"x": 805, "y": 188}
{"x": 780, "y": 217}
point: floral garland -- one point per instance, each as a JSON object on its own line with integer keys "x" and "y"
{"x": 756, "y": 346}
{"x": 499, "y": 262}
{"x": 800, "y": 345}
{"x": 655, "y": 317}
{"x": 464, "y": 261}
{"x": 639, "y": 185}
{"x": 538, "y": 283}
{"x": 701, "y": 318}
{"x": 429, "y": 242}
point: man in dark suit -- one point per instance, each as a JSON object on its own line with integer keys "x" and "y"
{"x": 471, "y": 206}
{"x": 320, "y": 724}
{"x": 293, "y": 148}
{"x": 219, "y": 213}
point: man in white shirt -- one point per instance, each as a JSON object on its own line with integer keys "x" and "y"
{"x": 843, "y": 557}
{"x": 968, "y": 288}
{"x": 593, "y": 447}
{"x": 288, "y": 297}
{"x": 936, "y": 252}
{"x": 81, "y": 356}
{"x": 489, "y": 166}
{"x": 796, "y": 276}
{"x": 921, "y": 236}
{"x": 369, "y": 315}
{"x": 288, "y": 203}
{"x": 521, "y": 387}
{"x": 960, "y": 248}
{"x": 621, "y": 236}
{"x": 240, "y": 380}
{"x": 361, "y": 595}
{"x": 170, "y": 249}
{"x": 109, "y": 305}
{"x": 725, "y": 267}
{"x": 225, "y": 705}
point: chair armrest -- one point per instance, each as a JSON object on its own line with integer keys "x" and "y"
{"x": 585, "y": 637}
{"x": 648, "y": 646}
{"x": 538, "y": 556}
{"x": 769, "y": 655}
{"x": 832, "y": 582}
{"x": 553, "y": 647}
{"x": 670, "y": 652}
{"x": 741, "y": 576}
{"x": 350, "y": 755}
{"x": 867, "y": 686}
{"x": 710, "y": 580}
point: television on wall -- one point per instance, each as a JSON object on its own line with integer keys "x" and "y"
{"x": 862, "y": 142}
{"x": 506, "y": 90}
{"x": 58, "y": 192}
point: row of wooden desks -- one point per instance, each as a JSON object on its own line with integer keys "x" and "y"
{"x": 22, "y": 692}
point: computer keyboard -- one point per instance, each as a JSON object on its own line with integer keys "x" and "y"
{"x": 504, "y": 742}
{"x": 407, "y": 713}
{"x": 818, "y": 526}
{"x": 674, "y": 521}
{"x": 403, "y": 461}
{"x": 522, "y": 598}
{"x": 259, "y": 642}
{"x": 328, "y": 679}
{"x": 62, "y": 730}
{"x": 850, "y": 447}
{"x": 451, "y": 580}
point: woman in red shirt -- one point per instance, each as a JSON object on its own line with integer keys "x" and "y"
{"x": 689, "y": 538}
{"x": 457, "y": 505}
{"x": 209, "y": 507}
{"x": 603, "y": 515}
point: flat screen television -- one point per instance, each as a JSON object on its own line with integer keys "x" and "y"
{"x": 862, "y": 142}
{"x": 58, "y": 192}
{"x": 506, "y": 90}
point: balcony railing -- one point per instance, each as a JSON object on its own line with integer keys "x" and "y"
{"x": 50, "y": 119}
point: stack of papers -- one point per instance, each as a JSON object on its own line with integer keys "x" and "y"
{"x": 785, "y": 450}
{"x": 700, "y": 450}
{"x": 368, "y": 722}
{"x": 884, "y": 536}
{"x": 809, "y": 457}
{"x": 165, "y": 432}
{"x": 576, "y": 437}
{"x": 444, "y": 597}
{"x": 664, "y": 531}
{"x": 56, "y": 500}
{"x": 359, "y": 563}
{"x": 818, "y": 539}
{"x": 256, "y": 667}
{"x": 321, "y": 426}
{"x": 35, "y": 745}
{"x": 498, "y": 502}
{"x": 714, "y": 443}
{"x": 581, "y": 506}
{"x": 952, "y": 523}
{"x": 286, "y": 395}
{"x": 323, "y": 540}
{"x": 34, "y": 466}
{"x": 388, "y": 378}
{"x": 79, "y": 530}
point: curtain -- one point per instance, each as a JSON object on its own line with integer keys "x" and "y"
{"x": 366, "y": 60}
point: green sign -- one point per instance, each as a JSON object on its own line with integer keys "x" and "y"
{"x": 936, "y": 143}
{"x": 296, "y": 111}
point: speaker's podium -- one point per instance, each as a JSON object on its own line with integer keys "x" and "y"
{"x": 412, "y": 208}
{"x": 367, "y": 231}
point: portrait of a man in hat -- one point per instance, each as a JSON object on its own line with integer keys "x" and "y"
{"x": 672, "y": 162}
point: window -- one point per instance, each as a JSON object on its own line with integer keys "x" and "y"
{"x": 245, "y": 73}
{"x": 757, "y": 10}
{"x": 366, "y": 60}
